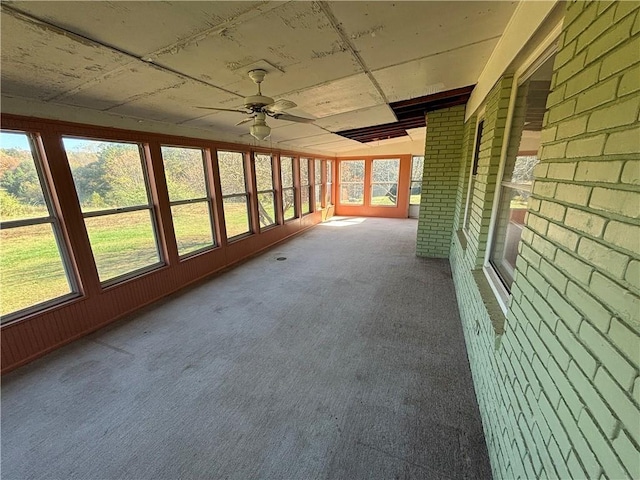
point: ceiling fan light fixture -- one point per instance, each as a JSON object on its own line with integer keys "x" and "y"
{"x": 260, "y": 130}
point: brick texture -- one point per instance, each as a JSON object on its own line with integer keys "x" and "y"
{"x": 558, "y": 391}
{"x": 445, "y": 131}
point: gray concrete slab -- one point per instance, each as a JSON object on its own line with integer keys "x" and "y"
{"x": 344, "y": 361}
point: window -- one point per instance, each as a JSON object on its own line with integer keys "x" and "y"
{"x": 288, "y": 188}
{"x": 185, "y": 173}
{"x": 318, "y": 183}
{"x": 352, "y": 182}
{"x": 417, "y": 169}
{"x": 265, "y": 189}
{"x": 111, "y": 183}
{"x": 305, "y": 187}
{"x": 384, "y": 182}
{"x": 521, "y": 158}
{"x": 33, "y": 265}
{"x": 235, "y": 198}
{"x": 472, "y": 174}
{"x": 329, "y": 187}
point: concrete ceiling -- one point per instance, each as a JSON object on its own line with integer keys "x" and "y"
{"x": 341, "y": 62}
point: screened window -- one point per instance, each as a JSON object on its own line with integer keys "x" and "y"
{"x": 317, "y": 185}
{"x": 191, "y": 209}
{"x": 329, "y": 187}
{"x": 265, "y": 189}
{"x": 521, "y": 158}
{"x": 306, "y": 165}
{"x": 288, "y": 188}
{"x": 384, "y": 182}
{"x": 111, "y": 183}
{"x": 417, "y": 169}
{"x": 473, "y": 174}
{"x": 352, "y": 182}
{"x": 235, "y": 198}
{"x": 33, "y": 266}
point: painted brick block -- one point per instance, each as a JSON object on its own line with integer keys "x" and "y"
{"x": 603, "y": 257}
{"x": 619, "y": 402}
{"x": 616, "y": 364}
{"x": 601, "y": 447}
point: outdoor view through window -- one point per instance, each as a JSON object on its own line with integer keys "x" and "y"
{"x": 32, "y": 266}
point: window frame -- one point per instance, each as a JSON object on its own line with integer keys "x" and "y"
{"x": 317, "y": 186}
{"x": 292, "y": 188}
{"x": 342, "y": 183}
{"x": 143, "y": 150}
{"x": 40, "y": 160}
{"x": 473, "y": 170}
{"x": 412, "y": 180}
{"x": 272, "y": 191}
{"x": 522, "y": 74}
{"x": 328, "y": 194}
{"x": 308, "y": 186}
{"x": 372, "y": 183}
{"x": 208, "y": 199}
{"x": 246, "y": 194}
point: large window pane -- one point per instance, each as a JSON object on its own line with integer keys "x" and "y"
{"x": 288, "y": 202}
{"x": 236, "y": 215}
{"x": 122, "y": 243}
{"x": 266, "y": 193}
{"x": 21, "y": 194}
{"x": 235, "y": 199}
{"x": 264, "y": 172}
{"x": 184, "y": 172}
{"x": 32, "y": 256}
{"x": 318, "y": 183}
{"x": 192, "y": 226}
{"x": 288, "y": 189}
{"x": 266, "y": 208}
{"x": 286, "y": 171}
{"x": 522, "y": 157}
{"x": 31, "y": 267}
{"x": 329, "y": 187}
{"x": 232, "y": 175}
{"x": 306, "y": 202}
{"x": 109, "y": 176}
{"x": 384, "y": 182}
{"x": 305, "y": 184}
{"x": 417, "y": 169}
{"x": 352, "y": 182}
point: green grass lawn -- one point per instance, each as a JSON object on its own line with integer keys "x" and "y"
{"x": 32, "y": 272}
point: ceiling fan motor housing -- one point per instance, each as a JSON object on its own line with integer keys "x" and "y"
{"x": 255, "y": 102}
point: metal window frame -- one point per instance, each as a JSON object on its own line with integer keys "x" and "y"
{"x": 38, "y": 157}
{"x": 208, "y": 199}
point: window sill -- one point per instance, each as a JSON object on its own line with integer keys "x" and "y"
{"x": 494, "y": 308}
{"x": 462, "y": 239}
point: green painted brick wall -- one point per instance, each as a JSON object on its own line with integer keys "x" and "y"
{"x": 559, "y": 390}
{"x": 445, "y": 131}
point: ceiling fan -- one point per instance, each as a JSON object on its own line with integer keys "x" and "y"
{"x": 258, "y": 107}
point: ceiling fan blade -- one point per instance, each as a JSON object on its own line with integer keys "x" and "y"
{"x": 279, "y": 106}
{"x": 223, "y": 109}
{"x": 292, "y": 118}
{"x": 248, "y": 119}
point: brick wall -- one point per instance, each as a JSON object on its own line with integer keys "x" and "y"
{"x": 559, "y": 391}
{"x": 445, "y": 130}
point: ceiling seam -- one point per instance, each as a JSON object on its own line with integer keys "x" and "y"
{"x": 337, "y": 26}
{"x": 438, "y": 53}
{"x": 16, "y": 13}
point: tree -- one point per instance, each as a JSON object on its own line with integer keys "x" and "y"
{"x": 23, "y": 183}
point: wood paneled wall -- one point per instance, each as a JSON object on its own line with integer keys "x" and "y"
{"x": 29, "y": 337}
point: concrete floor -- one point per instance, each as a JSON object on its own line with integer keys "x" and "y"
{"x": 344, "y": 361}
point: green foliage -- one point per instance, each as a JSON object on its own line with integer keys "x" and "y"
{"x": 22, "y": 182}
